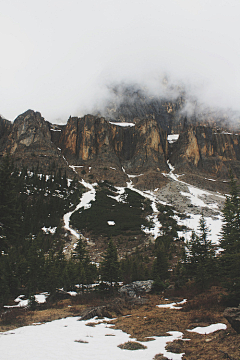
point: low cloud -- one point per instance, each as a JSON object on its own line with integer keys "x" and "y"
{"x": 64, "y": 58}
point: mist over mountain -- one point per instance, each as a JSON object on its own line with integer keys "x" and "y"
{"x": 61, "y": 59}
{"x": 171, "y": 105}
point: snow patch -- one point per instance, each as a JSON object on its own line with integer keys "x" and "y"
{"x": 172, "y": 138}
{"x": 123, "y": 124}
{"x": 59, "y": 340}
{"x": 49, "y": 230}
{"x": 209, "y": 329}
{"x": 172, "y": 305}
{"x": 21, "y": 302}
{"x": 85, "y": 201}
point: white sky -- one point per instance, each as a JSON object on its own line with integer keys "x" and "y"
{"x": 57, "y": 56}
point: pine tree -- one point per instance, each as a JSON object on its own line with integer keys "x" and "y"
{"x": 200, "y": 256}
{"x": 229, "y": 262}
{"x": 110, "y": 264}
{"x": 230, "y": 235}
{"x": 160, "y": 268}
{"x": 86, "y": 271}
{"x": 160, "y": 264}
{"x": 10, "y": 217}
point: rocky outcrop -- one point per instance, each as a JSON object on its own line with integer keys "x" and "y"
{"x": 203, "y": 149}
{"x": 5, "y": 130}
{"x": 29, "y": 142}
{"x": 115, "y": 306}
{"x": 93, "y": 146}
{"x": 89, "y": 138}
{"x": 95, "y": 141}
{"x": 136, "y": 288}
{"x": 99, "y": 150}
{"x": 233, "y": 317}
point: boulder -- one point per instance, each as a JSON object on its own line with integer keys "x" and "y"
{"x": 114, "y": 306}
{"x": 136, "y": 288}
{"x": 233, "y": 317}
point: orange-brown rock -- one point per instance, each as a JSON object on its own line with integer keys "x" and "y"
{"x": 203, "y": 149}
{"x": 94, "y": 140}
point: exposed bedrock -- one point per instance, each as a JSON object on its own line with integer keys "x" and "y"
{"x": 102, "y": 150}
{"x": 203, "y": 150}
{"x": 94, "y": 140}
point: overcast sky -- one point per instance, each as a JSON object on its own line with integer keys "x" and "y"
{"x": 58, "y": 56}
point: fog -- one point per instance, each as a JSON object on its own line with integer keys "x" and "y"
{"x": 63, "y": 57}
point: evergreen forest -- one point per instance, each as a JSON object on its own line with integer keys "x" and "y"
{"x": 32, "y": 257}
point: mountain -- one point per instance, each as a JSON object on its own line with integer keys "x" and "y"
{"x": 95, "y": 149}
{"x": 129, "y": 159}
{"x": 146, "y": 189}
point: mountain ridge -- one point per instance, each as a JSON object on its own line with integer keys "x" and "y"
{"x": 97, "y": 149}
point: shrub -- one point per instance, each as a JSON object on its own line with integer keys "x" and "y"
{"x": 132, "y": 345}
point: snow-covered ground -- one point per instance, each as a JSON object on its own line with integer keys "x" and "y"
{"x": 72, "y": 339}
{"x": 197, "y": 200}
{"x": 200, "y": 200}
{"x": 85, "y": 201}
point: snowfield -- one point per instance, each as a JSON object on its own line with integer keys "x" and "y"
{"x": 72, "y": 339}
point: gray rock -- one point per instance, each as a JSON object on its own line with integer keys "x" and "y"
{"x": 104, "y": 310}
{"x": 233, "y": 317}
{"x": 136, "y": 288}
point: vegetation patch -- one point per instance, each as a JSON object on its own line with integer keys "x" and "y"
{"x": 160, "y": 357}
{"x": 81, "y": 341}
{"x": 91, "y": 324}
{"x": 176, "y": 346}
{"x": 128, "y": 213}
{"x": 132, "y": 345}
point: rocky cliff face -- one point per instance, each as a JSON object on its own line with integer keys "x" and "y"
{"x": 91, "y": 140}
{"x": 106, "y": 148}
{"x": 29, "y": 142}
{"x": 92, "y": 146}
{"x": 204, "y": 151}
{"x": 5, "y": 130}
{"x": 97, "y": 149}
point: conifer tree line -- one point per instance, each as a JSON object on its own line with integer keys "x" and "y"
{"x": 207, "y": 264}
{"x": 32, "y": 261}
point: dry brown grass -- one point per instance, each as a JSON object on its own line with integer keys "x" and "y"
{"x": 210, "y": 299}
{"x": 17, "y": 317}
{"x": 146, "y": 321}
{"x": 132, "y": 345}
{"x": 149, "y": 320}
